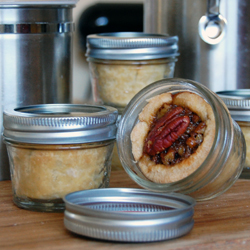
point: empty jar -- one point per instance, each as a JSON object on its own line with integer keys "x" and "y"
{"x": 123, "y": 63}
{"x": 55, "y": 149}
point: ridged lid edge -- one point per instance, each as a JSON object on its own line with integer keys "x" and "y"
{"x": 60, "y": 123}
{"x": 130, "y": 40}
{"x": 236, "y": 99}
{"x": 129, "y": 215}
{"x": 131, "y": 46}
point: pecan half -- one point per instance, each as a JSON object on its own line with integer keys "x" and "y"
{"x": 160, "y": 126}
{"x": 171, "y": 131}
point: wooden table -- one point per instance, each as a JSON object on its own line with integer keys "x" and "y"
{"x": 222, "y": 223}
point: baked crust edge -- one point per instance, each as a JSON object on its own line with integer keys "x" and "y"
{"x": 160, "y": 173}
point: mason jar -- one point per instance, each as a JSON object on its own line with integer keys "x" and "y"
{"x": 224, "y": 161}
{"x": 56, "y": 149}
{"x": 122, "y": 63}
{"x": 238, "y": 103}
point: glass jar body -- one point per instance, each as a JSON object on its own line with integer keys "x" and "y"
{"x": 224, "y": 163}
{"x": 115, "y": 82}
{"x": 245, "y": 127}
{"x": 228, "y": 168}
{"x": 42, "y": 175}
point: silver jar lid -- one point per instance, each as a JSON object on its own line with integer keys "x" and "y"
{"x": 60, "y": 124}
{"x": 131, "y": 46}
{"x": 238, "y": 103}
{"x": 128, "y": 215}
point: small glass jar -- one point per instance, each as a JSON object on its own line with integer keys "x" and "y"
{"x": 123, "y": 63}
{"x": 223, "y": 164}
{"x": 56, "y": 149}
{"x": 238, "y": 103}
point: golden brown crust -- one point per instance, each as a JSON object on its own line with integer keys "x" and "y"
{"x": 138, "y": 137}
{"x": 194, "y": 103}
{"x": 158, "y": 172}
{"x": 53, "y": 173}
{"x": 154, "y": 104}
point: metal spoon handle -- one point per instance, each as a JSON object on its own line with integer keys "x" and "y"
{"x": 213, "y": 7}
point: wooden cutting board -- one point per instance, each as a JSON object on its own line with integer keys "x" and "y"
{"x": 221, "y": 223}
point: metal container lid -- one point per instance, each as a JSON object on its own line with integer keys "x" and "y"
{"x": 238, "y": 103}
{"x": 131, "y": 46}
{"x": 60, "y": 124}
{"x": 128, "y": 215}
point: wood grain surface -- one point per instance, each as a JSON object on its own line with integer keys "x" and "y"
{"x": 221, "y": 223}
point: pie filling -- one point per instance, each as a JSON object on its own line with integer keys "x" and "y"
{"x": 175, "y": 134}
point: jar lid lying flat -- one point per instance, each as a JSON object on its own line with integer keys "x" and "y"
{"x": 60, "y": 124}
{"x": 128, "y": 215}
{"x": 238, "y": 103}
{"x": 131, "y": 46}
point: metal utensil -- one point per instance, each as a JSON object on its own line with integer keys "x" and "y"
{"x": 212, "y": 26}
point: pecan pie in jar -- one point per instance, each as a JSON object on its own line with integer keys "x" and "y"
{"x": 122, "y": 63}
{"x": 177, "y": 136}
{"x": 56, "y": 149}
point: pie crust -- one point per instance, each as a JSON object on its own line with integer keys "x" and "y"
{"x": 160, "y": 173}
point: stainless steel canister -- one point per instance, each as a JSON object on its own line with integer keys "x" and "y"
{"x": 35, "y": 57}
{"x": 214, "y": 39}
